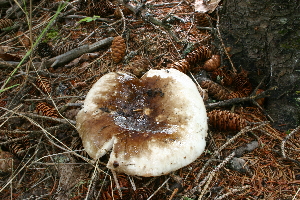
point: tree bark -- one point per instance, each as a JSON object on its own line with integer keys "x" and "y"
{"x": 265, "y": 41}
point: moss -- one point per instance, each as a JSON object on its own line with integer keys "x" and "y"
{"x": 291, "y": 44}
{"x": 283, "y": 31}
{"x": 52, "y": 34}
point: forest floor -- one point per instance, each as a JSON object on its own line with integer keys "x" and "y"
{"x": 41, "y": 93}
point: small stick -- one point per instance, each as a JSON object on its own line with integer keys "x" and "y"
{"x": 217, "y": 152}
{"x": 211, "y": 174}
{"x": 158, "y": 189}
{"x": 238, "y": 100}
{"x": 173, "y": 193}
{"x": 296, "y": 130}
{"x": 117, "y": 182}
{"x": 232, "y": 191}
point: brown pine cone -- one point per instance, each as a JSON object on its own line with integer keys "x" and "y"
{"x": 236, "y": 94}
{"x": 200, "y": 54}
{"x": 4, "y": 23}
{"x": 3, "y": 101}
{"x": 215, "y": 90}
{"x": 181, "y": 65}
{"x": 46, "y": 110}
{"x": 202, "y": 19}
{"x": 260, "y": 101}
{"x": 17, "y": 148}
{"x": 212, "y": 64}
{"x": 242, "y": 84}
{"x": 139, "y": 67}
{"x": 118, "y": 13}
{"x": 102, "y": 8}
{"x": 143, "y": 193}
{"x": 118, "y": 49}
{"x": 223, "y": 76}
{"x": 63, "y": 48}
{"x": 44, "y": 50}
{"x": 44, "y": 84}
{"x": 225, "y": 120}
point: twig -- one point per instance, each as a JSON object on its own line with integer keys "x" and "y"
{"x": 294, "y": 197}
{"x": 49, "y": 135}
{"x": 211, "y": 174}
{"x": 217, "y": 152}
{"x": 296, "y": 130}
{"x": 238, "y": 100}
{"x": 59, "y": 98}
{"x": 158, "y": 189}
{"x": 232, "y": 191}
{"x": 243, "y": 131}
{"x": 8, "y": 64}
{"x": 64, "y": 121}
{"x": 29, "y": 133}
{"x": 117, "y": 182}
{"x": 13, "y": 140}
{"x": 173, "y": 193}
{"x": 93, "y": 180}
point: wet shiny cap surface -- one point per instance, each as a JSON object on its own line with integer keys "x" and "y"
{"x": 153, "y": 125}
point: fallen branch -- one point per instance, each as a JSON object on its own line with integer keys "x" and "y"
{"x": 238, "y": 100}
{"x": 75, "y": 53}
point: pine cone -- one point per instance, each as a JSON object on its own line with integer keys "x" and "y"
{"x": 202, "y": 19}
{"x": 260, "y": 101}
{"x": 222, "y": 76}
{"x": 139, "y": 67}
{"x": 46, "y": 110}
{"x": 142, "y": 193}
{"x": 200, "y": 54}
{"x": 24, "y": 39}
{"x": 17, "y": 148}
{"x": 4, "y": 23}
{"x": 212, "y": 64}
{"x": 102, "y": 8}
{"x": 181, "y": 65}
{"x": 118, "y": 49}
{"x": 44, "y": 49}
{"x": 63, "y": 48}
{"x": 3, "y": 101}
{"x": 44, "y": 84}
{"x": 215, "y": 90}
{"x": 236, "y": 94}
{"x": 242, "y": 84}
{"x": 77, "y": 146}
{"x": 225, "y": 120}
{"x": 118, "y": 13}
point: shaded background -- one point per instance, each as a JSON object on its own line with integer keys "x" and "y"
{"x": 265, "y": 41}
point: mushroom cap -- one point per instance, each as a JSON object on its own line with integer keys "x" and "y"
{"x": 154, "y": 125}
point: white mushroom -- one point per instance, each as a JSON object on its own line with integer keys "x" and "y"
{"x": 153, "y": 125}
